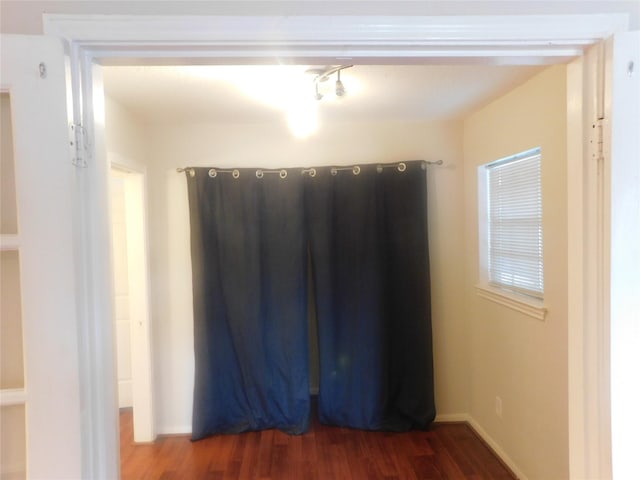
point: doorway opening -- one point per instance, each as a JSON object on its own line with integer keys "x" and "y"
{"x": 130, "y": 298}
{"x": 179, "y": 116}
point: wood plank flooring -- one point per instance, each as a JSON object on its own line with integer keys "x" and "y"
{"x": 447, "y": 451}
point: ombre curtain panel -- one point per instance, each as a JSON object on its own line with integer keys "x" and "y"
{"x": 252, "y": 235}
{"x": 249, "y": 261}
{"x": 370, "y": 264}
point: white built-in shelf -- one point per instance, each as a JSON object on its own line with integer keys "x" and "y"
{"x": 9, "y": 242}
{"x": 13, "y": 396}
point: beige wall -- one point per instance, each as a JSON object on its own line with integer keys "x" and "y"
{"x": 272, "y": 145}
{"x": 520, "y": 359}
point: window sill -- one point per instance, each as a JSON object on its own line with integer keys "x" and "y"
{"x": 529, "y": 306}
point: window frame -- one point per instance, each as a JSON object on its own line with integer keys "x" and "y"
{"x": 528, "y": 303}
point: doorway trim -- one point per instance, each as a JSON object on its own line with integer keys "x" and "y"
{"x": 489, "y": 39}
{"x": 135, "y": 40}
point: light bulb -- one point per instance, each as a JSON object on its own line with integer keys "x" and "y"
{"x": 302, "y": 118}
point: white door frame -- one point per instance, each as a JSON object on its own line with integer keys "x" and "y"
{"x": 588, "y": 338}
{"x": 125, "y": 39}
{"x": 139, "y": 301}
{"x": 622, "y": 106}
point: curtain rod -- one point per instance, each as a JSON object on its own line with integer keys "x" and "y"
{"x": 355, "y": 169}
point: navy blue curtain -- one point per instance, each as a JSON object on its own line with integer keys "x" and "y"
{"x": 370, "y": 264}
{"x": 249, "y": 257}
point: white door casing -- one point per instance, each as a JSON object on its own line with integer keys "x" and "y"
{"x": 33, "y": 73}
{"x": 133, "y": 178}
{"x": 141, "y": 361}
{"x": 622, "y": 157}
{"x": 589, "y": 410}
{"x": 604, "y": 260}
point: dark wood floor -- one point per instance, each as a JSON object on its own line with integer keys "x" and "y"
{"x": 449, "y": 450}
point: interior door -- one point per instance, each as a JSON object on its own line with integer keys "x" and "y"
{"x": 38, "y": 293}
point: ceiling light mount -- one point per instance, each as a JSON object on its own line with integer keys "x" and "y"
{"x": 323, "y": 74}
{"x": 340, "y": 91}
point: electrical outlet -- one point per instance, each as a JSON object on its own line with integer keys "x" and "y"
{"x": 499, "y": 407}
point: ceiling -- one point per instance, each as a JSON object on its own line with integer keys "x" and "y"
{"x": 260, "y": 94}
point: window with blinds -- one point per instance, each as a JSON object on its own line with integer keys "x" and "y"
{"x": 514, "y": 223}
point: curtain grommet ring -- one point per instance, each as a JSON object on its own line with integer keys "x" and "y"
{"x": 423, "y": 166}
{"x": 236, "y": 173}
{"x": 213, "y": 173}
{"x": 259, "y": 174}
{"x": 312, "y": 172}
{"x": 283, "y": 173}
{"x": 334, "y": 171}
{"x": 379, "y": 169}
{"x": 356, "y": 170}
{"x": 402, "y": 167}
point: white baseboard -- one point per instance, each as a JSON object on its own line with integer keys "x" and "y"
{"x": 453, "y": 417}
{"x": 496, "y": 448}
{"x": 125, "y": 393}
{"x": 174, "y": 430}
{"x": 482, "y": 433}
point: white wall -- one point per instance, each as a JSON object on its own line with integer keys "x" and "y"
{"x": 271, "y": 146}
{"x": 516, "y": 357}
{"x": 126, "y": 136}
{"x": 127, "y": 143}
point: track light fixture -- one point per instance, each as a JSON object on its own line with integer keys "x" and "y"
{"x": 340, "y": 91}
{"x": 323, "y": 74}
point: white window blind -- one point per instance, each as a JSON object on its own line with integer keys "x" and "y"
{"x": 514, "y": 217}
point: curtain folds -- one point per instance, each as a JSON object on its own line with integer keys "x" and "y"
{"x": 366, "y": 236}
{"x": 249, "y": 257}
{"x": 370, "y": 263}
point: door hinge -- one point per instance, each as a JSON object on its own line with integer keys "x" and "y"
{"x": 597, "y": 140}
{"x": 79, "y": 145}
